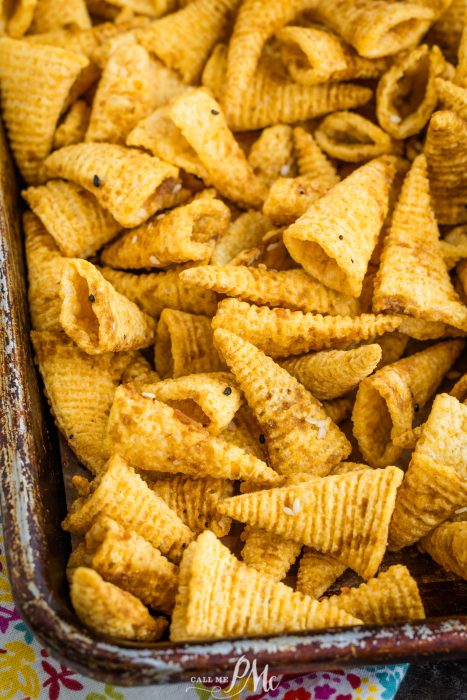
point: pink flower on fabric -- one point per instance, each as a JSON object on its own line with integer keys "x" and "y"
{"x": 354, "y": 680}
{"x": 299, "y": 694}
{"x": 56, "y": 678}
{"x": 323, "y": 692}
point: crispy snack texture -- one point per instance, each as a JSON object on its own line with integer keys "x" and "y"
{"x": 447, "y": 545}
{"x": 317, "y": 572}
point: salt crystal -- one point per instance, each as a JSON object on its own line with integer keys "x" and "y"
{"x": 285, "y": 170}
{"x": 153, "y": 260}
{"x": 177, "y": 188}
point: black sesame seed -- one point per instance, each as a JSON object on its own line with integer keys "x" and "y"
{"x": 92, "y": 298}
{"x": 301, "y": 191}
{"x": 341, "y": 237}
{"x": 214, "y": 111}
{"x": 70, "y": 437}
{"x": 262, "y": 439}
{"x": 351, "y": 260}
{"x": 227, "y": 391}
{"x": 416, "y": 408}
{"x": 96, "y": 181}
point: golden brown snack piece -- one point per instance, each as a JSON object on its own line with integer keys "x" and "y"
{"x": 156, "y": 437}
{"x": 447, "y": 545}
{"x": 386, "y": 402}
{"x": 157, "y": 291}
{"x": 350, "y": 137}
{"x": 131, "y": 185}
{"x": 31, "y": 108}
{"x": 272, "y": 156}
{"x": 339, "y": 410}
{"x": 244, "y": 432}
{"x": 45, "y": 268}
{"x": 430, "y": 493}
{"x": 317, "y": 572}
{"x": 111, "y": 611}
{"x": 333, "y": 373}
{"x": 459, "y": 390}
{"x": 336, "y": 236}
{"x": 447, "y": 30}
{"x": 408, "y": 439}
{"x": 80, "y": 390}
{"x": 201, "y": 121}
{"x": 453, "y": 97}
{"x": 220, "y": 596}
{"x": 392, "y": 596}
{"x": 454, "y": 246}
{"x": 346, "y": 516}
{"x": 282, "y": 332}
{"x": 212, "y": 399}
{"x": 406, "y": 94}
{"x": 126, "y": 92}
{"x": 182, "y": 234}
{"x": 312, "y": 161}
{"x": 272, "y": 98}
{"x": 271, "y": 555}
{"x": 446, "y": 155}
{"x": 49, "y": 16}
{"x": 139, "y": 372}
{"x": 428, "y": 330}
{"x": 184, "y": 40}
{"x": 96, "y": 316}
{"x": 73, "y": 127}
{"x": 412, "y": 259}
{"x": 195, "y": 501}
{"x": 293, "y": 289}
{"x": 72, "y": 216}
{"x": 119, "y": 493}
{"x": 297, "y": 432}
{"x": 245, "y": 232}
{"x": 114, "y": 9}
{"x": 376, "y": 28}
{"x": 127, "y": 560}
{"x": 184, "y": 345}
{"x": 270, "y": 254}
{"x": 314, "y": 55}
{"x": 16, "y": 17}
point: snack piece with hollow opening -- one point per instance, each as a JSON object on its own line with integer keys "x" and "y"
{"x": 73, "y": 126}
{"x": 245, "y": 232}
{"x": 272, "y": 155}
{"x": 156, "y": 437}
{"x": 48, "y": 16}
{"x": 220, "y": 596}
{"x": 110, "y": 611}
{"x": 447, "y": 545}
{"x": 353, "y": 138}
{"x": 96, "y": 316}
{"x": 453, "y": 97}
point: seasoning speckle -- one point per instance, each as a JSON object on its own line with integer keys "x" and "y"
{"x": 214, "y": 111}
{"x": 92, "y": 298}
{"x": 262, "y": 439}
{"x": 416, "y": 408}
{"x": 96, "y": 181}
{"x": 227, "y": 391}
{"x": 301, "y": 190}
{"x": 341, "y": 237}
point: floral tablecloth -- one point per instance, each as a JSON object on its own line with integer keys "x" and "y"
{"x": 28, "y": 671}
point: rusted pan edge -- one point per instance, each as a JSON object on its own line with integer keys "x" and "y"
{"x": 30, "y": 477}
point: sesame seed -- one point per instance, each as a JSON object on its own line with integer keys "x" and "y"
{"x": 227, "y": 391}
{"x": 92, "y": 298}
{"x": 341, "y": 237}
{"x": 272, "y": 246}
{"x": 96, "y": 181}
{"x": 215, "y": 111}
{"x": 148, "y": 395}
{"x": 262, "y": 439}
{"x": 301, "y": 190}
{"x": 177, "y": 188}
{"x": 285, "y": 170}
{"x": 153, "y": 260}
{"x": 416, "y": 408}
{"x": 395, "y": 118}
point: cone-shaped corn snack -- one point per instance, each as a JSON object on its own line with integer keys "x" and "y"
{"x": 461, "y": 70}
{"x": 80, "y": 390}
{"x": 245, "y": 232}
{"x": 447, "y": 545}
{"x": 408, "y": 440}
{"x": 45, "y": 268}
{"x": 317, "y": 572}
{"x": 96, "y": 316}
{"x": 127, "y": 560}
{"x": 74, "y": 125}
{"x": 271, "y": 555}
{"x": 446, "y": 155}
{"x": 336, "y": 236}
{"x": 399, "y": 113}
{"x": 184, "y": 40}
{"x": 201, "y": 121}
{"x": 392, "y": 346}
{"x": 31, "y": 108}
{"x": 314, "y": 55}
{"x": 126, "y": 93}
{"x": 350, "y": 137}
{"x": 159, "y": 135}
{"x": 157, "y": 291}
{"x": 281, "y": 332}
{"x": 111, "y": 611}
{"x": 293, "y": 289}
{"x": 211, "y": 399}
{"x": 430, "y": 493}
{"x": 413, "y": 277}
{"x": 459, "y": 390}
{"x": 195, "y": 501}
{"x": 428, "y": 330}
{"x": 220, "y": 596}
{"x": 312, "y": 161}
{"x": 72, "y": 216}
{"x": 255, "y": 23}
{"x": 149, "y": 8}
{"x": 271, "y": 156}
{"x": 392, "y": 596}
{"x": 273, "y": 98}
{"x": 48, "y": 16}
{"x": 299, "y": 435}
{"x": 270, "y": 254}
{"x": 139, "y": 372}
{"x": 155, "y": 437}
{"x": 16, "y": 17}
{"x": 184, "y": 345}
{"x": 454, "y": 246}
{"x": 376, "y": 27}
{"x": 444, "y": 435}
{"x": 130, "y": 185}
{"x": 453, "y": 97}
{"x": 186, "y": 233}
{"x": 339, "y": 410}
{"x": 346, "y": 516}
{"x": 333, "y": 373}
{"x": 447, "y": 30}
{"x": 386, "y": 402}
{"x": 289, "y": 198}
{"x": 122, "y": 495}
{"x": 244, "y": 432}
